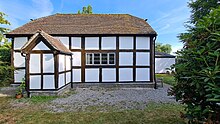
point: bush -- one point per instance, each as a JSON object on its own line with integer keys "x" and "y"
{"x": 198, "y": 71}
{"x": 6, "y": 71}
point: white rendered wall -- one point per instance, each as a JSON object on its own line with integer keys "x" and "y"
{"x": 48, "y": 63}
{"x": 76, "y": 75}
{"x": 92, "y": 75}
{"x": 41, "y": 46}
{"x": 19, "y": 42}
{"x": 18, "y": 75}
{"x": 34, "y": 63}
{"x": 126, "y": 42}
{"x": 143, "y": 43}
{"x": 35, "y": 82}
{"x": 61, "y": 80}
{"x": 125, "y": 74}
{"x": 143, "y": 58}
{"x": 142, "y": 74}
{"x": 68, "y": 63}
{"x": 76, "y": 58}
{"x": 125, "y": 58}
{"x": 68, "y": 77}
{"x": 92, "y": 43}
{"x": 76, "y": 43}
{"x": 108, "y": 75}
{"x": 19, "y": 60}
{"x": 61, "y": 63}
{"x": 162, "y": 63}
{"x": 48, "y": 82}
{"x": 108, "y": 43}
{"x": 65, "y": 41}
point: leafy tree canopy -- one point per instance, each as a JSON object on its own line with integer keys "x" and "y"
{"x": 86, "y": 10}
{"x": 200, "y": 8}
{"x": 163, "y": 48}
{"x": 3, "y": 30}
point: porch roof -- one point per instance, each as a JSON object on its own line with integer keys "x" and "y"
{"x": 53, "y": 42}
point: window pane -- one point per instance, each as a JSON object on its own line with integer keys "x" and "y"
{"x": 88, "y": 58}
{"x": 96, "y": 58}
{"x": 111, "y": 58}
{"x": 104, "y": 58}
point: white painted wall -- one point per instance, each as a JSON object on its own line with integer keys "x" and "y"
{"x": 76, "y": 75}
{"x": 19, "y": 60}
{"x": 61, "y": 80}
{"x": 91, "y": 43}
{"x": 18, "y": 75}
{"x": 34, "y": 63}
{"x": 68, "y": 63}
{"x": 19, "y": 42}
{"x": 143, "y": 58}
{"x": 48, "y": 82}
{"x": 125, "y": 58}
{"x": 48, "y": 63}
{"x": 35, "y": 82}
{"x": 126, "y": 43}
{"x": 162, "y": 63}
{"x": 125, "y": 74}
{"x": 92, "y": 75}
{"x": 76, "y": 43}
{"x": 61, "y": 63}
{"x": 143, "y": 43}
{"x": 108, "y": 75}
{"x": 65, "y": 41}
{"x": 108, "y": 43}
{"x": 142, "y": 74}
{"x": 76, "y": 58}
{"x": 68, "y": 77}
{"x": 41, "y": 46}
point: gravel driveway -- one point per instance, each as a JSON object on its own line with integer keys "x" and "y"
{"x": 114, "y": 99}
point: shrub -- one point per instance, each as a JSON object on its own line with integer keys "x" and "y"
{"x": 198, "y": 70}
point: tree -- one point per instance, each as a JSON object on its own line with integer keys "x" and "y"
{"x": 201, "y": 8}
{"x": 3, "y": 30}
{"x": 6, "y": 71}
{"x": 86, "y": 10}
{"x": 198, "y": 68}
{"x": 163, "y": 48}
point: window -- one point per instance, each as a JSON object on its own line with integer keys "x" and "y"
{"x": 104, "y": 58}
{"x": 100, "y": 58}
{"x": 89, "y": 58}
{"x": 96, "y": 58}
{"x": 111, "y": 58}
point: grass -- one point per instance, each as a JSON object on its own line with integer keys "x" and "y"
{"x": 167, "y": 78}
{"x": 154, "y": 113}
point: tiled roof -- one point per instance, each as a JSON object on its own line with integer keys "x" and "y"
{"x": 163, "y": 55}
{"x": 54, "y": 42}
{"x": 87, "y": 24}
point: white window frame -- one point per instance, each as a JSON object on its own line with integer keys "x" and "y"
{"x": 100, "y": 56}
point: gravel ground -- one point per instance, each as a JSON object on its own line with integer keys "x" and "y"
{"x": 85, "y": 99}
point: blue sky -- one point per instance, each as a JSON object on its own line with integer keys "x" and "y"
{"x": 167, "y": 17}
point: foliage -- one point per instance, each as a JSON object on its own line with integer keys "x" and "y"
{"x": 86, "y": 10}
{"x": 163, "y": 48}
{"x": 198, "y": 70}
{"x": 3, "y": 30}
{"x": 201, "y": 8}
{"x": 21, "y": 87}
{"x": 6, "y": 71}
{"x": 167, "y": 78}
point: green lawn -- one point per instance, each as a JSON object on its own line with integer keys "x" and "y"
{"x": 167, "y": 78}
{"x": 34, "y": 112}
